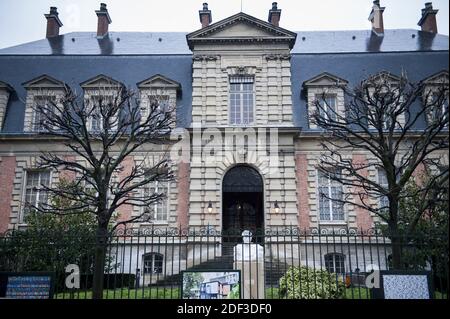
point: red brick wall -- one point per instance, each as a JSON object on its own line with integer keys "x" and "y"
{"x": 52, "y": 28}
{"x": 65, "y": 174}
{"x": 102, "y": 25}
{"x": 430, "y": 24}
{"x": 125, "y": 210}
{"x": 183, "y": 194}
{"x": 301, "y": 165}
{"x": 205, "y": 20}
{"x": 419, "y": 174}
{"x": 364, "y": 220}
{"x": 7, "y": 174}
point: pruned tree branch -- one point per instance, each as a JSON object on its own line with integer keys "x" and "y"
{"x": 383, "y": 120}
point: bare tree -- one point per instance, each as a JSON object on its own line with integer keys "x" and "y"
{"x": 383, "y": 119}
{"x": 101, "y": 132}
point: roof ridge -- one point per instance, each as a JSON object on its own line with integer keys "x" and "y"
{"x": 174, "y": 42}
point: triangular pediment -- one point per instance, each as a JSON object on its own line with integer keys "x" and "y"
{"x": 6, "y": 86}
{"x": 325, "y": 79}
{"x": 241, "y": 27}
{"x": 100, "y": 81}
{"x": 437, "y": 78}
{"x": 44, "y": 81}
{"x": 386, "y": 76}
{"x": 159, "y": 81}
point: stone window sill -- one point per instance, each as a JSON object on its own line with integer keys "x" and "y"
{"x": 333, "y": 223}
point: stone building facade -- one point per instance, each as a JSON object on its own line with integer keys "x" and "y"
{"x": 242, "y": 89}
{"x": 241, "y": 77}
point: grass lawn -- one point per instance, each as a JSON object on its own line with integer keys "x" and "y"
{"x": 174, "y": 293}
{"x": 358, "y": 293}
{"x": 440, "y": 295}
{"x": 125, "y": 293}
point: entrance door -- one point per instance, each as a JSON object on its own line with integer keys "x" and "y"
{"x": 243, "y": 207}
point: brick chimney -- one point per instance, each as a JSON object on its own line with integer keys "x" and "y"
{"x": 428, "y": 19}
{"x": 376, "y": 17}
{"x": 53, "y": 23}
{"x": 104, "y": 20}
{"x": 205, "y": 16}
{"x": 275, "y": 15}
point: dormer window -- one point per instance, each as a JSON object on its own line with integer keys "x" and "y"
{"x": 328, "y": 105}
{"x": 162, "y": 101}
{"x": 100, "y": 95}
{"x": 241, "y": 100}
{"x": 440, "y": 108}
{"x": 42, "y": 106}
{"x": 436, "y": 97}
{"x": 95, "y": 118}
{"x": 158, "y": 91}
{"x": 384, "y": 101}
{"x": 5, "y": 91}
{"x": 325, "y": 94}
{"x": 42, "y": 94}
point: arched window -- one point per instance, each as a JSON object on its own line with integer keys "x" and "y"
{"x": 153, "y": 263}
{"x": 335, "y": 263}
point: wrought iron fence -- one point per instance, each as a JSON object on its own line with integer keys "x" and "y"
{"x": 274, "y": 263}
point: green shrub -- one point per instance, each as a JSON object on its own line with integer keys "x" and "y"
{"x": 273, "y": 293}
{"x": 309, "y": 283}
{"x": 235, "y": 292}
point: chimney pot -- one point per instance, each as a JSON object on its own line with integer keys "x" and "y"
{"x": 428, "y": 20}
{"x": 205, "y": 16}
{"x": 275, "y": 15}
{"x": 53, "y": 23}
{"x": 104, "y": 20}
{"x": 376, "y": 17}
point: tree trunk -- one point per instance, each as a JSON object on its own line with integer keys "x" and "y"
{"x": 396, "y": 246}
{"x": 99, "y": 261}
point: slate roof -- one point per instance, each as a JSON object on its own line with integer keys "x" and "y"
{"x": 73, "y": 70}
{"x": 155, "y": 43}
{"x": 357, "y": 67}
{"x": 138, "y": 56}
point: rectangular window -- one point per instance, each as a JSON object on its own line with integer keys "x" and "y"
{"x": 328, "y": 106}
{"x": 95, "y": 119}
{"x": 43, "y": 105}
{"x": 153, "y": 263}
{"x": 335, "y": 263}
{"x": 440, "y": 109}
{"x": 35, "y": 193}
{"x": 90, "y": 188}
{"x": 386, "y": 117}
{"x": 162, "y": 103}
{"x": 329, "y": 192}
{"x": 241, "y": 100}
{"x": 386, "y": 103}
{"x": 159, "y": 209}
{"x": 382, "y": 181}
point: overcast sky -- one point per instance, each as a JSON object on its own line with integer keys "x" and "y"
{"x": 23, "y": 20}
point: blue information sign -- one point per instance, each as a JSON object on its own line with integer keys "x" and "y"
{"x": 25, "y": 285}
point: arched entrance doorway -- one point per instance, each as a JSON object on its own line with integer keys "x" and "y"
{"x": 242, "y": 207}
